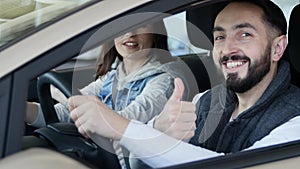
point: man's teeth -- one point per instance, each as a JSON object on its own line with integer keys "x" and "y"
{"x": 233, "y": 64}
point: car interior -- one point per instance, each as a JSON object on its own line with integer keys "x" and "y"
{"x": 56, "y": 135}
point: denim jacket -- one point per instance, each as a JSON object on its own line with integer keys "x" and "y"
{"x": 125, "y": 96}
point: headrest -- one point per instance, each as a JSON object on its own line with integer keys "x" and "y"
{"x": 202, "y": 18}
{"x": 294, "y": 38}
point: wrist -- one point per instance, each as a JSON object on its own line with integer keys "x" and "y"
{"x": 120, "y": 128}
{"x": 156, "y": 124}
{"x": 150, "y": 123}
{"x": 123, "y": 128}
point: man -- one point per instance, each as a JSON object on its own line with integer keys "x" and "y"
{"x": 256, "y": 107}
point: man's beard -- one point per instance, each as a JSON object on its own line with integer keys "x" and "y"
{"x": 256, "y": 72}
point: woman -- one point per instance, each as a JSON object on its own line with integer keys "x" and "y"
{"x": 139, "y": 87}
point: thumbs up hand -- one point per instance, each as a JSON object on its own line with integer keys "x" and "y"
{"x": 178, "y": 117}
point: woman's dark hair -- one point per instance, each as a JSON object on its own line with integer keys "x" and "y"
{"x": 109, "y": 52}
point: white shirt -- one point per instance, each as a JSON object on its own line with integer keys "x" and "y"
{"x": 160, "y": 150}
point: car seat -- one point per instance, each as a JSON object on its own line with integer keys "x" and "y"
{"x": 292, "y": 53}
{"x": 199, "y": 26}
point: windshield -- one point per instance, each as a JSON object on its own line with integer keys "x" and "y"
{"x": 18, "y": 17}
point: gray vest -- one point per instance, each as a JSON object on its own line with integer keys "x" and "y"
{"x": 279, "y": 103}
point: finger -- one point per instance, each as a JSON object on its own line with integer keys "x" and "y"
{"x": 78, "y": 100}
{"x": 188, "y": 135}
{"x": 79, "y": 111}
{"x": 77, "y": 123}
{"x": 80, "y": 123}
{"x": 185, "y": 131}
{"x": 186, "y": 127}
{"x": 74, "y": 114}
{"x": 187, "y": 117}
{"x": 82, "y": 131}
{"x": 84, "y": 119}
{"x": 187, "y": 107}
{"x": 178, "y": 90}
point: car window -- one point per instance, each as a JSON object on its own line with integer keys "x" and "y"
{"x": 179, "y": 43}
{"x": 18, "y": 17}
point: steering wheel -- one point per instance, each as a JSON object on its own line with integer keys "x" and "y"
{"x": 44, "y": 94}
{"x": 64, "y": 136}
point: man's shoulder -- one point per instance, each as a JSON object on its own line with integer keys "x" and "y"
{"x": 293, "y": 92}
{"x": 198, "y": 96}
{"x": 291, "y": 96}
{"x": 207, "y": 94}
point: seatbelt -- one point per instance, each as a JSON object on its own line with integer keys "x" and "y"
{"x": 114, "y": 96}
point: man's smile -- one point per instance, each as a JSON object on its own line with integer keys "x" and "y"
{"x": 232, "y": 66}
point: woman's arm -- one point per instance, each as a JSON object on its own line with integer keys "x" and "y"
{"x": 286, "y": 132}
{"x": 159, "y": 150}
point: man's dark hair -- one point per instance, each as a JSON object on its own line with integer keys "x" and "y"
{"x": 273, "y": 15}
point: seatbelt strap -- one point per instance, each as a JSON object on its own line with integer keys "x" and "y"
{"x": 114, "y": 95}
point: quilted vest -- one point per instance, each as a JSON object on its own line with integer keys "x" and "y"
{"x": 278, "y": 104}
